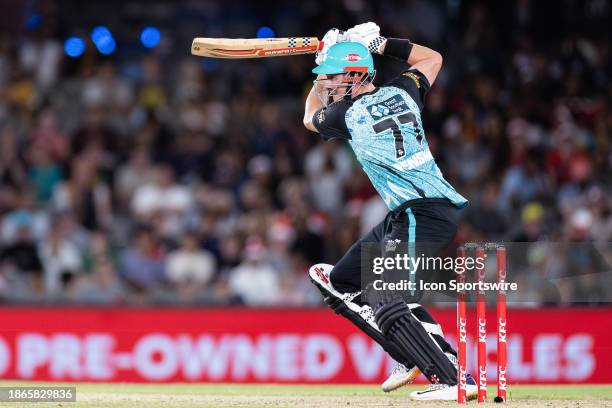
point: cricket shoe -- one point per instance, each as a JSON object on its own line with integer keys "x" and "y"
{"x": 445, "y": 392}
{"x": 319, "y": 275}
{"x": 400, "y": 376}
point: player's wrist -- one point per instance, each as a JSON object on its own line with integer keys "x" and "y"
{"x": 397, "y": 48}
{"x": 376, "y": 46}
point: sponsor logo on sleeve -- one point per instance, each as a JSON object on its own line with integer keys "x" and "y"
{"x": 321, "y": 116}
{"x": 414, "y": 77}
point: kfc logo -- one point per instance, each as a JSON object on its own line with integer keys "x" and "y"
{"x": 501, "y": 375}
{"x": 462, "y": 377}
{"x": 462, "y": 331}
{"x": 482, "y": 331}
{"x": 482, "y": 377}
{"x": 501, "y": 336}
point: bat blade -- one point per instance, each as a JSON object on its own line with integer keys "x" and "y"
{"x": 236, "y": 48}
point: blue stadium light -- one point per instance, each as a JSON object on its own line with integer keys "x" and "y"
{"x": 106, "y": 45}
{"x": 265, "y": 32}
{"x": 149, "y": 37}
{"x": 74, "y": 47}
{"x": 99, "y": 33}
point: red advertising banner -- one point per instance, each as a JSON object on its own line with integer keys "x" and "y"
{"x": 295, "y": 346}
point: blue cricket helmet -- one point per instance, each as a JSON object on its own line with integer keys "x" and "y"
{"x": 346, "y": 57}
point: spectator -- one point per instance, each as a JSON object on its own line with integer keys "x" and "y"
{"x": 579, "y": 225}
{"x": 523, "y": 183}
{"x": 484, "y": 216}
{"x": 49, "y": 139}
{"x": 164, "y": 199}
{"x": 99, "y": 250}
{"x": 101, "y": 287}
{"x": 21, "y": 257}
{"x": 143, "y": 265}
{"x": 189, "y": 263}
{"x": 254, "y": 280}
{"x": 137, "y": 172}
{"x": 44, "y": 174}
{"x": 532, "y": 219}
{"x": 307, "y": 241}
{"x": 599, "y": 204}
{"x": 24, "y": 213}
{"x": 59, "y": 257}
{"x": 230, "y": 251}
{"x": 327, "y": 166}
{"x": 13, "y": 173}
{"x": 85, "y": 195}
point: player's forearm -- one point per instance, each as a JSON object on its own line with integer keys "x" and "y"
{"x": 424, "y": 59}
{"x": 313, "y": 103}
{"x": 421, "y": 53}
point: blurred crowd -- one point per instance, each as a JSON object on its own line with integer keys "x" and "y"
{"x": 157, "y": 177}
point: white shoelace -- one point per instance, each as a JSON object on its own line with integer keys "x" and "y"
{"x": 435, "y": 387}
{"x": 399, "y": 369}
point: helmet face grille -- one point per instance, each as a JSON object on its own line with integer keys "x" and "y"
{"x": 351, "y": 81}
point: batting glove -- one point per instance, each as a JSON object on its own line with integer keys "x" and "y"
{"x": 367, "y": 34}
{"x": 330, "y": 38}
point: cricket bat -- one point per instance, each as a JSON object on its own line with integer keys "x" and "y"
{"x": 254, "y": 47}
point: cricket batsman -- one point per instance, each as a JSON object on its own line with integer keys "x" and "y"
{"x": 383, "y": 126}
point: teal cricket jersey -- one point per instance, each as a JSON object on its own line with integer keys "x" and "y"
{"x": 385, "y": 131}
